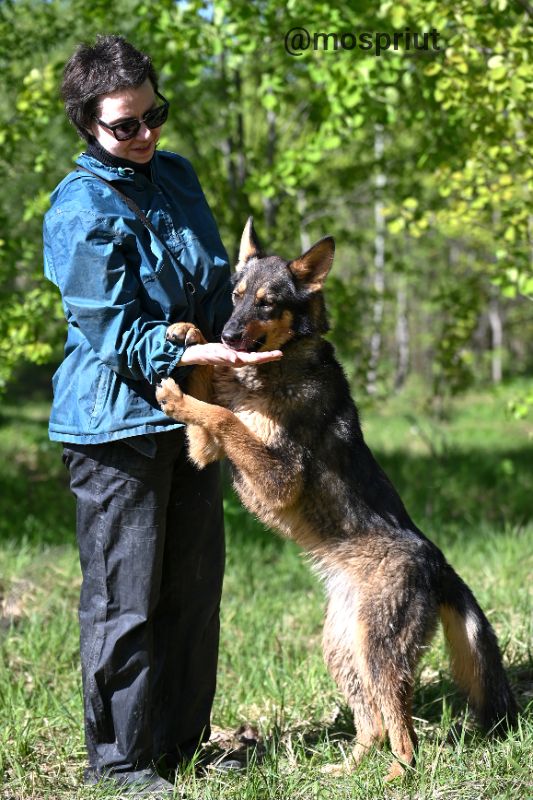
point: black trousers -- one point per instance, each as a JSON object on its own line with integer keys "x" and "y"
{"x": 151, "y": 542}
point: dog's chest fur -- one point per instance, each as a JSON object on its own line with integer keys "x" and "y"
{"x": 263, "y": 402}
{"x": 260, "y": 404}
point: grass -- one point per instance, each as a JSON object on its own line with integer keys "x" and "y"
{"x": 467, "y": 481}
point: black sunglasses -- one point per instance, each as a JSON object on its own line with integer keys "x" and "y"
{"x": 129, "y": 128}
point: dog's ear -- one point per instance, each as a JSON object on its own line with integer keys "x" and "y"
{"x": 250, "y": 246}
{"x": 313, "y": 266}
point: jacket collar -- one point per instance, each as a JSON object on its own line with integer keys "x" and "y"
{"x": 110, "y": 173}
{"x": 95, "y": 150}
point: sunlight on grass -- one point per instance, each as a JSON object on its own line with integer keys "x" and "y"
{"x": 466, "y": 481}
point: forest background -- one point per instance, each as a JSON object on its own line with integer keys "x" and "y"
{"x": 417, "y": 161}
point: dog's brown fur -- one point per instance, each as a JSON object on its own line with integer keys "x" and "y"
{"x": 292, "y": 435}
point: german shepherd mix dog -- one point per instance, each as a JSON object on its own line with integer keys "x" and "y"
{"x": 291, "y": 432}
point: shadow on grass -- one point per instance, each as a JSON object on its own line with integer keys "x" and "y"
{"x": 474, "y": 486}
{"x": 37, "y": 509}
{"x": 439, "y": 710}
{"x": 459, "y": 489}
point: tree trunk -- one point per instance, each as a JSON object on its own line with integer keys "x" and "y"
{"x": 270, "y": 204}
{"x": 301, "y": 204}
{"x": 496, "y": 331}
{"x": 233, "y": 146}
{"x": 402, "y": 337}
{"x": 380, "y": 182}
{"x": 240, "y": 146}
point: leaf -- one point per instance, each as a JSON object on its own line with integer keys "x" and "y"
{"x": 395, "y": 226}
{"x": 433, "y": 69}
{"x": 268, "y": 101}
{"x": 495, "y": 62}
{"x": 498, "y": 73}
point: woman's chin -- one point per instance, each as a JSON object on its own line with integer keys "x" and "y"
{"x": 140, "y": 155}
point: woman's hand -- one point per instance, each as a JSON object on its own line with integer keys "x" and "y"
{"x": 220, "y": 355}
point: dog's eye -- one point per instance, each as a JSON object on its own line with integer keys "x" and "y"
{"x": 265, "y": 304}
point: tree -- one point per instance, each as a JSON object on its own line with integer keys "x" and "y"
{"x": 292, "y": 139}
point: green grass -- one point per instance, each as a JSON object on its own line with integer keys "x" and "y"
{"x": 467, "y": 481}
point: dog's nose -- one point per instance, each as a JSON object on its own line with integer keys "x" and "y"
{"x": 231, "y": 338}
{"x": 232, "y": 332}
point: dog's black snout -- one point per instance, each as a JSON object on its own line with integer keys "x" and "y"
{"x": 230, "y": 338}
{"x": 232, "y": 333}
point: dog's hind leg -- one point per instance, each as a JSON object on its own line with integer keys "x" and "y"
{"x": 387, "y": 657}
{"x": 396, "y": 701}
{"x": 382, "y": 704}
{"x": 342, "y": 632}
{"x": 369, "y": 727}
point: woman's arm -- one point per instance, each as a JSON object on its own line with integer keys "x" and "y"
{"x": 92, "y": 262}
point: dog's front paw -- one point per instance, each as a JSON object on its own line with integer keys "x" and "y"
{"x": 170, "y": 397}
{"x": 185, "y": 334}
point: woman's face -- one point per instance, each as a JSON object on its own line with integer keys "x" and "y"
{"x": 125, "y": 104}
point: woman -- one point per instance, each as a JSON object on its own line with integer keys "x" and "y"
{"x": 149, "y": 525}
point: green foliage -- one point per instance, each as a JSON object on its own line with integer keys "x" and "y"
{"x": 292, "y": 139}
{"x": 521, "y": 405}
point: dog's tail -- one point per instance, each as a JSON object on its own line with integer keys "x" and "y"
{"x": 475, "y": 657}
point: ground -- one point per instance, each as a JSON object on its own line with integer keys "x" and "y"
{"x": 466, "y": 480}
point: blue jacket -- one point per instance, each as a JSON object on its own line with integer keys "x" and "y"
{"x": 121, "y": 289}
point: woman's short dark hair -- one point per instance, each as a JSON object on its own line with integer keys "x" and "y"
{"x": 111, "y": 63}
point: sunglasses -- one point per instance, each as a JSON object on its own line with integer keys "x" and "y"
{"x": 128, "y": 128}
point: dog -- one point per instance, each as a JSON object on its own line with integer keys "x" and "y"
{"x": 291, "y": 432}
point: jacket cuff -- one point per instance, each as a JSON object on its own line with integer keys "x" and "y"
{"x": 176, "y": 370}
